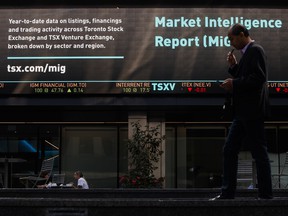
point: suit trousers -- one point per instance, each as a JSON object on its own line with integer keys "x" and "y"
{"x": 253, "y": 132}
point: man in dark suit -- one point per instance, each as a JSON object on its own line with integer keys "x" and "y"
{"x": 250, "y": 106}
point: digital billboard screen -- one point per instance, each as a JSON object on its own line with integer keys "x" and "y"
{"x": 132, "y": 50}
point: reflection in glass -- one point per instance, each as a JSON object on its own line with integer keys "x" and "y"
{"x": 93, "y": 150}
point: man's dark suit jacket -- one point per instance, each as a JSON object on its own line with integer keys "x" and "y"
{"x": 250, "y": 91}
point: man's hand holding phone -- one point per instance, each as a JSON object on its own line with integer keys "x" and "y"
{"x": 227, "y": 85}
{"x": 231, "y": 59}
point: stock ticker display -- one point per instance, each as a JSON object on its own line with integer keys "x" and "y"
{"x": 132, "y": 50}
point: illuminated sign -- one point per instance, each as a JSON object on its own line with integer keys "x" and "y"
{"x": 132, "y": 50}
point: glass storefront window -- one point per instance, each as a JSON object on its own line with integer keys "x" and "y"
{"x": 93, "y": 150}
{"x": 281, "y": 181}
{"x": 123, "y": 151}
{"x": 170, "y": 152}
{"x": 203, "y": 165}
{"x": 193, "y": 152}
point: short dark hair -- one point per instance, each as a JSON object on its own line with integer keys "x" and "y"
{"x": 238, "y": 28}
{"x": 79, "y": 173}
{"x": 43, "y": 174}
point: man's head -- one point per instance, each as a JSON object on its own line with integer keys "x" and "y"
{"x": 45, "y": 174}
{"x": 78, "y": 174}
{"x": 238, "y": 36}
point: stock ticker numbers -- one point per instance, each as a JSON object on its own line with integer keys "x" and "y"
{"x": 197, "y": 87}
{"x": 190, "y": 88}
{"x": 58, "y": 88}
{"x": 141, "y": 88}
{"x": 133, "y": 87}
{"x": 193, "y": 88}
{"x": 171, "y": 87}
{"x": 129, "y": 88}
{"x": 278, "y": 88}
